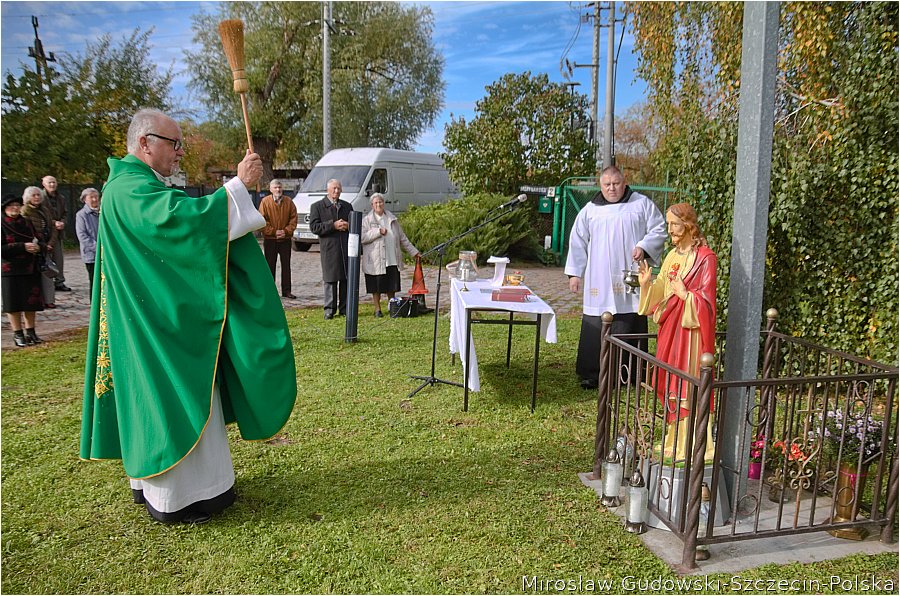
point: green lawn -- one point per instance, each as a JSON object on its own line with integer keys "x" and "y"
{"x": 363, "y": 491}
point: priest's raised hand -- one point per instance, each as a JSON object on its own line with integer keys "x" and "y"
{"x": 250, "y": 169}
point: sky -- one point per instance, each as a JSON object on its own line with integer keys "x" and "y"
{"x": 480, "y": 42}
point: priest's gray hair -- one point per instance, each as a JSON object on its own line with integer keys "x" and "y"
{"x": 142, "y": 123}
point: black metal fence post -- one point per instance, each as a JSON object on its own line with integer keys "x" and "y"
{"x": 601, "y": 440}
{"x": 353, "y": 252}
{"x": 890, "y": 509}
{"x": 766, "y": 414}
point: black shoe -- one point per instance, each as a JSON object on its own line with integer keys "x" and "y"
{"x": 137, "y": 495}
{"x": 196, "y": 518}
{"x": 291, "y": 296}
{"x": 328, "y": 316}
{"x": 378, "y": 314}
{"x": 32, "y": 338}
{"x": 19, "y": 338}
{"x": 63, "y": 288}
{"x": 589, "y": 383}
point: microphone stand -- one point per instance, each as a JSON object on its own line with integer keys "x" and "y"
{"x": 441, "y": 249}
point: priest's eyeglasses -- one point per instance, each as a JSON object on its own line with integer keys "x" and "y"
{"x": 176, "y": 143}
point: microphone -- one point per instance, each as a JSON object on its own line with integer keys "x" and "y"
{"x": 513, "y": 203}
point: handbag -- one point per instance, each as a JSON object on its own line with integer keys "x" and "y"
{"x": 405, "y": 306}
{"x": 48, "y": 267}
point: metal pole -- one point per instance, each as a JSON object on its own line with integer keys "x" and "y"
{"x": 595, "y": 91}
{"x": 756, "y": 122}
{"x": 601, "y": 436}
{"x": 695, "y": 479}
{"x": 353, "y": 276}
{"x": 37, "y": 50}
{"x": 326, "y": 76}
{"x": 610, "y": 90}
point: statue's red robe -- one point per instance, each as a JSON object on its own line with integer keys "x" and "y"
{"x": 687, "y": 328}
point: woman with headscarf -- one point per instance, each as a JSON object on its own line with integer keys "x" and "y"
{"x": 21, "y": 273}
{"x": 382, "y": 261}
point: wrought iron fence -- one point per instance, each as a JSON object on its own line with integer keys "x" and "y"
{"x": 820, "y": 427}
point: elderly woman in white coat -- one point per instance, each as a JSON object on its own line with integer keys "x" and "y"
{"x": 382, "y": 261}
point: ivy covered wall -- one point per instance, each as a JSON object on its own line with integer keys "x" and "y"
{"x": 832, "y": 253}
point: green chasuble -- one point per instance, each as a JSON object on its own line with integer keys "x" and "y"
{"x": 177, "y": 309}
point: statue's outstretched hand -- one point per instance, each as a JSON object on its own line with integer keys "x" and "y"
{"x": 644, "y": 273}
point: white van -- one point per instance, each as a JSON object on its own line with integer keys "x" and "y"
{"x": 405, "y": 178}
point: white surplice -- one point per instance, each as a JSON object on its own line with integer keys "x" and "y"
{"x": 600, "y": 246}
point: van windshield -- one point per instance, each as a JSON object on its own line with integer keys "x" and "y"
{"x": 352, "y": 178}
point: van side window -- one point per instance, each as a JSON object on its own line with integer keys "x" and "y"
{"x": 378, "y": 183}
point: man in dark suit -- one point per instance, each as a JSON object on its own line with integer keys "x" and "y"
{"x": 329, "y": 219}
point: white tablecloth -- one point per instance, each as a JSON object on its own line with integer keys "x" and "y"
{"x": 476, "y": 298}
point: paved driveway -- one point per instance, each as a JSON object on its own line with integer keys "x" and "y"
{"x": 73, "y": 308}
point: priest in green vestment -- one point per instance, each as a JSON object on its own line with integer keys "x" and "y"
{"x": 187, "y": 332}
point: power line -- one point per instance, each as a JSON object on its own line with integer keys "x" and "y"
{"x": 183, "y": 6}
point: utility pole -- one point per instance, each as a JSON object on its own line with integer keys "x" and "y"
{"x": 326, "y": 76}
{"x": 595, "y": 88}
{"x": 37, "y": 52}
{"x": 610, "y": 90}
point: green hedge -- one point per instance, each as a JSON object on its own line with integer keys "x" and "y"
{"x": 511, "y": 235}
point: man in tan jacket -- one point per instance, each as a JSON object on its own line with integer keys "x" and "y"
{"x": 281, "y": 219}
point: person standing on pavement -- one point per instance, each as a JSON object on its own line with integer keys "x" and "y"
{"x": 21, "y": 273}
{"x": 617, "y": 227}
{"x": 329, "y": 219}
{"x": 58, "y": 204}
{"x": 382, "y": 260}
{"x": 37, "y": 210}
{"x": 87, "y": 222}
{"x": 187, "y": 334}
{"x": 280, "y": 214}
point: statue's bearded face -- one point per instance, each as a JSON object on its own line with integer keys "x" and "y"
{"x": 678, "y": 231}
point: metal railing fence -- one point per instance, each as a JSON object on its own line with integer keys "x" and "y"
{"x": 821, "y": 425}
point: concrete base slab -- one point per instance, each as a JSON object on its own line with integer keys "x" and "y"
{"x": 746, "y": 554}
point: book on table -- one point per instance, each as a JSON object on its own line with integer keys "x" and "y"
{"x": 507, "y": 294}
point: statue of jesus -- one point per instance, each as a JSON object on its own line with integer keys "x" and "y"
{"x": 682, "y": 302}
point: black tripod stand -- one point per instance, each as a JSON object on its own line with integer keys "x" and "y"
{"x": 441, "y": 249}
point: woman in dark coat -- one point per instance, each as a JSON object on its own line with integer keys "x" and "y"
{"x": 21, "y": 272}
{"x": 36, "y": 209}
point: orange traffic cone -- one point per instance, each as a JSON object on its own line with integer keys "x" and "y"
{"x": 418, "y": 284}
{"x": 417, "y": 291}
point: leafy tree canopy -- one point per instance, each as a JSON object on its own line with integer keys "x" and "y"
{"x": 70, "y": 120}
{"x": 210, "y": 149}
{"x": 386, "y": 76}
{"x": 522, "y": 133}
